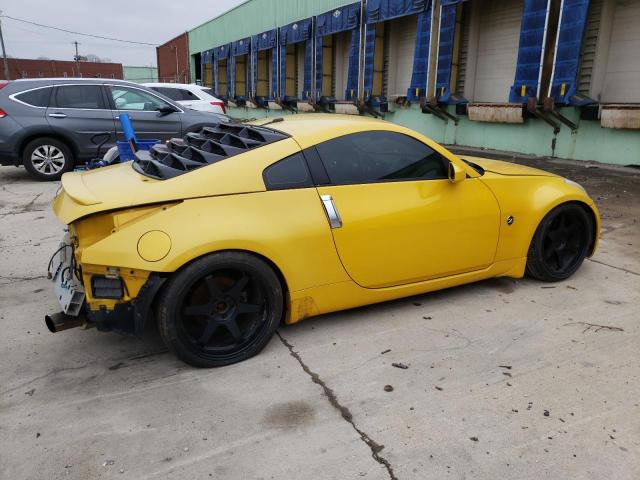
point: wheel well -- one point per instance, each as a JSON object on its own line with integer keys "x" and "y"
{"x": 590, "y": 213}
{"x": 60, "y": 138}
{"x": 594, "y": 224}
{"x": 268, "y": 261}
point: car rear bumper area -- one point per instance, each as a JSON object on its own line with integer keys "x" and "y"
{"x": 127, "y": 318}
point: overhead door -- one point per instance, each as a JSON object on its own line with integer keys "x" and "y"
{"x": 622, "y": 77}
{"x": 341, "y": 61}
{"x": 402, "y": 40}
{"x": 497, "y": 49}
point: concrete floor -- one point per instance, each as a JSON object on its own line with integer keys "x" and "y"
{"x": 506, "y": 379}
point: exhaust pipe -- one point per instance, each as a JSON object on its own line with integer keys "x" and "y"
{"x": 61, "y": 321}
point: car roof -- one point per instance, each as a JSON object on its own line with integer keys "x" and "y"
{"x": 313, "y": 128}
{"x": 173, "y": 85}
{"x": 59, "y": 80}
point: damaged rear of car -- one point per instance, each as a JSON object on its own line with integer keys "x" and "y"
{"x": 108, "y": 268}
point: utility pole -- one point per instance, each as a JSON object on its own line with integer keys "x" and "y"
{"x": 77, "y": 58}
{"x": 4, "y": 52}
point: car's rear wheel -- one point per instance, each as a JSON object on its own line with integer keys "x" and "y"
{"x": 221, "y": 309}
{"x": 47, "y": 158}
{"x": 560, "y": 243}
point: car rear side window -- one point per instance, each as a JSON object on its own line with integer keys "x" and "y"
{"x": 379, "y": 156}
{"x": 176, "y": 94}
{"x": 188, "y": 95}
{"x": 172, "y": 93}
{"x": 79, "y": 96}
{"x": 36, "y": 98}
{"x": 291, "y": 172}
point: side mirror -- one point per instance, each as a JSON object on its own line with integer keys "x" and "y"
{"x": 166, "y": 110}
{"x": 456, "y": 173}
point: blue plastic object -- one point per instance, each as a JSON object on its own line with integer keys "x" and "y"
{"x": 127, "y": 127}
{"x": 124, "y": 147}
{"x": 126, "y": 154}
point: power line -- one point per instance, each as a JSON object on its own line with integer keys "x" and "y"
{"x": 78, "y": 33}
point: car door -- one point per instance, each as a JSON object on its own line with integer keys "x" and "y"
{"x": 80, "y": 112}
{"x": 144, "y": 109}
{"x": 396, "y": 218}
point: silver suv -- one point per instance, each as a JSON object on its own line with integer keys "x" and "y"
{"x": 49, "y": 125}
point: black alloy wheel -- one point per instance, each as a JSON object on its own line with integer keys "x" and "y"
{"x": 560, "y": 243}
{"x": 222, "y": 309}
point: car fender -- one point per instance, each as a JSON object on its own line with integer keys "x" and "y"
{"x": 287, "y": 227}
{"x": 524, "y": 201}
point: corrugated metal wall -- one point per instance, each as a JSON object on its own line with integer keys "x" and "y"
{"x": 253, "y": 17}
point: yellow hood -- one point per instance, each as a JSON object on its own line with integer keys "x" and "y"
{"x": 507, "y": 168}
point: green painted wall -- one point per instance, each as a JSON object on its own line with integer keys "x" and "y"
{"x": 140, "y": 74}
{"x": 590, "y": 142}
{"x": 253, "y": 17}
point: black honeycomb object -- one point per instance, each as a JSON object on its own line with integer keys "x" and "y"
{"x": 195, "y": 150}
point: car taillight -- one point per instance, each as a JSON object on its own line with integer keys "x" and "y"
{"x": 221, "y": 105}
{"x": 3, "y": 83}
{"x": 2, "y": 113}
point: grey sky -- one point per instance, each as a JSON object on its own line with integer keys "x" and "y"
{"x": 140, "y": 20}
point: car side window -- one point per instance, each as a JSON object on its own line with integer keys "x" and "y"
{"x": 379, "y": 156}
{"x": 171, "y": 93}
{"x": 36, "y": 98}
{"x": 79, "y": 96}
{"x": 188, "y": 95}
{"x": 291, "y": 172}
{"x": 126, "y": 98}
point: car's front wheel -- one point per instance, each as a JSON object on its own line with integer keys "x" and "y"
{"x": 560, "y": 243}
{"x": 221, "y": 309}
{"x": 47, "y": 158}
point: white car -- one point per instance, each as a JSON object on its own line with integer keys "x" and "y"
{"x": 193, "y": 96}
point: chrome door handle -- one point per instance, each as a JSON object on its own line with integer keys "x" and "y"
{"x": 332, "y": 212}
{"x": 58, "y": 115}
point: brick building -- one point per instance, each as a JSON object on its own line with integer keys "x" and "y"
{"x": 173, "y": 60}
{"x": 28, "y": 68}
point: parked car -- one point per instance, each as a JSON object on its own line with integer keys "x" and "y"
{"x": 228, "y": 232}
{"x": 190, "y": 95}
{"x": 48, "y": 125}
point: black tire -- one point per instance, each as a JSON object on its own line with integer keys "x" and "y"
{"x": 234, "y": 302}
{"x": 47, "y": 158}
{"x": 560, "y": 244}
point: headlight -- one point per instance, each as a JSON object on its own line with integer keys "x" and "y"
{"x": 574, "y": 184}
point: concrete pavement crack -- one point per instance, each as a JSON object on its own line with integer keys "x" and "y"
{"x": 375, "y": 447}
{"x": 613, "y": 266}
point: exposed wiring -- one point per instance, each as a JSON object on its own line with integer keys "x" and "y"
{"x": 78, "y": 33}
{"x": 62, "y": 247}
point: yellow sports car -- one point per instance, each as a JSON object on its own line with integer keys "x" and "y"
{"x": 224, "y": 234}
